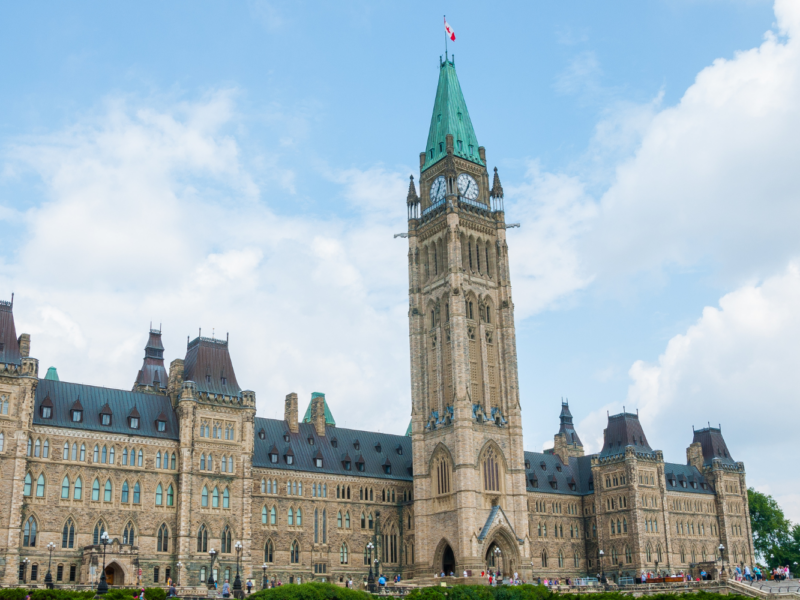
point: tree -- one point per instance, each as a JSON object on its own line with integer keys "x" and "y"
{"x": 771, "y": 535}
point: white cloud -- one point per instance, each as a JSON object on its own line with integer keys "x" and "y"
{"x": 736, "y": 366}
{"x": 151, "y": 214}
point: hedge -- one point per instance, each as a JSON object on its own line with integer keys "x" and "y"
{"x": 56, "y": 594}
{"x": 307, "y": 591}
{"x": 540, "y": 592}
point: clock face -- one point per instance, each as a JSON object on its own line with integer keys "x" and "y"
{"x": 467, "y": 187}
{"x": 438, "y": 189}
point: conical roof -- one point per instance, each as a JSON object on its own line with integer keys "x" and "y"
{"x": 450, "y": 116}
{"x": 328, "y": 416}
{"x": 52, "y": 374}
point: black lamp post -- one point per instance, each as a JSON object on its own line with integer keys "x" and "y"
{"x": 25, "y": 563}
{"x": 102, "y": 587}
{"x": 179, "y": 565}
{"x": 601, "y": 554}
{"x": 237, "y": 583}
{"x": 497, "y": 556}
{"x": 210, "y": 582}
{"x": 48, "y": 579}
{"x": 722, "y": 558}
{"x": 370, "y": 577}
{"x": 264, "y": 577}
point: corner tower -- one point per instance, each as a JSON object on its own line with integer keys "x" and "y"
{"x": 469, "y": 478}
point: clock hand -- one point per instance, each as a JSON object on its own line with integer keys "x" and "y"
{"x": 467, "y": 190}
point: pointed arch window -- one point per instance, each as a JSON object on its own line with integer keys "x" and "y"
{"x": 230, "y": 464}
{"x": 99, "y": 530}
{"x": 202, "y": 462}
{"x": 159, "y": 495}
{"x": 560, "y": 559}
{"x": 226, "y": 498}
{"x": 491, "y": 472}
{"x": 128, "y": 534}
{"x": 369, "y": 521}
{"x": 27, "y": 490}
{"x": 226, "y": 540}
{"x": 111, "y": 455}
{"x": 624, "y": 525}
{"x": 29, "y": 533}
{"x": 124, "y": 456}
{"x": 172, "y": 461}
{"x": 83, "y": 453}
{"x": 263, "y": 486}
{"x": 170, "y": 496}
{"x": 46, "y": 449}
{"x": 77, "y": 490}
{"x": 124, "y": 496}
{"x": 158, "y": 460}
{"x": 136, "y": 493}
{"x": 294, "y": 553}
{"x": 273, "y": 516}
{"x": 544, "y": 558}
{"x": 65, "y": 487}
{"x": 104, "y": 455}
{"x": 339, "y": 519}
{"x": 68, "y": 534}
{"x": 204, "y": 497}
{"x": 96, "y": 490}
{"x": 162, "y": 541}
{"x": 290, "y": 517}
{"x": 347, "y": 520}
{"x": 343, "y": 554}
{"x": 264, "y": 515}
{"x": 140, "y": 459}
{"x": 269, "y": 552}
{"x": 202, "y": 539}
{"x": 107, "y": 491}
{"x": 215, "y": 498}
{"x": 40, "y": 486}
{"x": 96, "y": 454}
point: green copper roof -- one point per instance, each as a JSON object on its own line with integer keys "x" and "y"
{"x": 52, "y": 374}
{"x": 450, "y": 115}
{"x": 328, "y": 416}
{"x": 408, "y": 431}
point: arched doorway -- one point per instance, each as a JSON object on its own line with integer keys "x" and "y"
{"x": 114, "y": 574}
{"x": 492, "y": 558}
{"x": 448, "y": 560}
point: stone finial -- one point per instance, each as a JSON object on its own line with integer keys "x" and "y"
{"x": 412, "y": 191}
{"x": 24, "y": 342}
{"x": 290, "y": 412}
{"x": 497, "y": 187}
{"x": 318, "y": 414}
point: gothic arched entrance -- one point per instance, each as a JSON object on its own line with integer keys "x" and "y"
{"x": 448, "y": 560}
{"x": 114, "y": 574}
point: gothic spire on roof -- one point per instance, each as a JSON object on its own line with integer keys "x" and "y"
{"x": 153, "y": 374}
{"x": 497, "y": 187}
{"x": 450, "y": 117}
{"x": 9, "y": 344}
{"x": 412, "y": 191}
{"x": 567, "y": 427}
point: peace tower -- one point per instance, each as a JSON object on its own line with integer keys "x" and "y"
{"x": 469, "y": 474}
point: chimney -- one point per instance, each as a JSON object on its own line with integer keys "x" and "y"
{"x": 318, "y": 414}
{"x": 290, "y": 412}
{"x": 694, "y": 456}
{"x": 24, "y": 342}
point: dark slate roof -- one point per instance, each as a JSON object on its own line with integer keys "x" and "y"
{"x": 624, "y": 430}
{"x": 9, "y": 346}
{"x": 93, "y": 399}
{"x": 577, "y": 471}
{"x": 304, "y": 452}
{"x": 713, "y": 444}
{"x": 686, "y": 474}
{"x": 567, "y": 426}
{"x": 153, "y": 368}
{"x": 207, "y": 363}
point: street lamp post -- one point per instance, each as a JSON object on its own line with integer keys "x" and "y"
{"x": 497, "y": 556}
{"x": 48, "y": 579}
{"x": 237, "y": 583}
{"x": 657, "y": 568}
{"x": 722, "y": 558}
{"x": 25, "y": 562}
{"x": 601, "y": 554}
{"x": 264, "y": 577}
{"x": 371, "y": 576}
{"x": 179, "y": 565}
{"x": 212, "y": 553}
{"x": 102, "y": 587}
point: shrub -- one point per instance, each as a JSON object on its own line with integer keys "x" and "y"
{"x": 308, "y": 591}
{"x": 156, "y": 593}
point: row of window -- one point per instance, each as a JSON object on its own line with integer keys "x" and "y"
{"x": 75, "y": 490}
{"x": 217, "y": 430}
{"x": 614, "y": 503}
{"x": 105, "y": 416}
{"x": 225, "y": 463}
{"x": 106, "y": 455}
{"x": 558, "y": 530}
{"x": 72, "y": 571}
{"x": 576, "y": 559}
{"x": 215, "y": 496}
{"x": 688, "y": 528}
{"x": 320, "y": 490}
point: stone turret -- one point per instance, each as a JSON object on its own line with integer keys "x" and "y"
{"x": 566, "y": 441}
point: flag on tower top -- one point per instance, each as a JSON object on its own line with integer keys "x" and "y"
{"x": 449, "y": 30}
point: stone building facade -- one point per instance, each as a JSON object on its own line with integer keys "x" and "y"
{"x": 180, "y": 465}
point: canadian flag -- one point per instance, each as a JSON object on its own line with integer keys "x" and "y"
{"x": 449, "y": 30}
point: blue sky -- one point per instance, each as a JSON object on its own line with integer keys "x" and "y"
{"x": 243, "y": 166}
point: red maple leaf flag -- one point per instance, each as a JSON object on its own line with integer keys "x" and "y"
{"x": 449, "y": 30}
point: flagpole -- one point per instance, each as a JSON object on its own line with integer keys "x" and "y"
{"x": 445, "y": 40}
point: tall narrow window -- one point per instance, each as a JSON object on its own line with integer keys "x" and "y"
{"x": 46, "y": 449}
{"x": 294, "y": 553}
{"x": 136, "y": 493}
{"x": 140, "y": 461}
{"x": 124, "y": 456}
{"x": 74, "y": 451}
{"x": 159, "y": 495}
{"x": 269, "y": 551}
{"x": 68, "y": 535}
{"x": 127, "y": 535}
{"x": 172, "y": 462}
{"x": 204, "y": 497}
{"x": 96, "y": 490}
{"x": 215, "y": 498}
{"x": 124, "y": 497}
{"x": 26, "y": 490}
{"x": 99, "y": 530}
{"x": 226, "y": 540}
{"x": 107, "y": 491}
{"x": 77, "y": 490}
{"x": 104, "y": 457}
{"x": 170, "y": 496}
{"x": 162, "y": 541}
{"x": 29, "y": 533}
{"x": 202, "y": 539}
{"x": 158, "y": 460}
{"x": 226, "y": 498}
{"x": 273, "y": 515}
{"x": 65, "y": 487}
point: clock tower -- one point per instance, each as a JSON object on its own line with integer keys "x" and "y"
{"x": 469, "y": 473}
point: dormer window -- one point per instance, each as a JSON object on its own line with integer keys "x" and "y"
{"x": 387, "y": 469}
{"x": 694, "y": 484}
{"x": 572, "y": 486}
{"x": 400, "y": 450}
{"x": 705, "y": 486}
{"x": 105, "y": 419}
{"x": 134, "y": 421}
{"x": 554, "y": 485}
{"x": 46, "y": 410}
{"x": 318, "y": 463}
{"x": 310, "y": 441}
{"x": 377, "y": 447}
{"x": 356, "y": 445}
{"x": 347, "y": 465}
{"x": 558, "y": 468}
{"x": 543, "y": 466}
{"x": 76, "y": 412}
{"x": 289, "y": 459}
{"x": 208, "y": 378}
{"x": 528, "y": 465}
{"x": 334, "y": 443}
{"x": 285, "y": 437}
{"x": 683, "y": 484}
{"x": 262, "y": 435}
{"x": 161, "y": 425}
{"x": 360, "y": 466}
{"x": 222, "y": 379}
